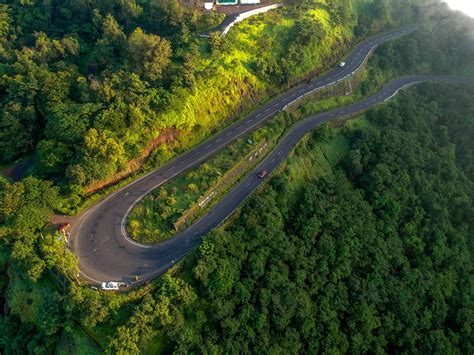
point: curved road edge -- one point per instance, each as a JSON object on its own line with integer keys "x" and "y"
{"x": 151, "y": 262}
{"x": 89, "y": 237}
{"x": 355, "y": 61}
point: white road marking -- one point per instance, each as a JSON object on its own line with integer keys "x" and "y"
{"x": 90, "y": 278}
{"x": 197, "y": 152}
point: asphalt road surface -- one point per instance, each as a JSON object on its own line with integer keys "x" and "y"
{"x": 99, "y": 238}
{"x": 226, "y": 22}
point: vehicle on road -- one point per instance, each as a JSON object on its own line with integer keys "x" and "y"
{"x": 64, "y": 228}
{"x": 342, "y": 64}
{"x": 262, "y": 174}
{"x": 108, "y": 261}
{"x": 110, "y": 286}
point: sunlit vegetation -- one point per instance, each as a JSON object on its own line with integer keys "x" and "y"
{"x": 359, "y": 244}
{"x": 89, "y": 88}
{"x": 152, "y": 219}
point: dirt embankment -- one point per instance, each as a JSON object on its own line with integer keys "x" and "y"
{"x": 167, "y": 136}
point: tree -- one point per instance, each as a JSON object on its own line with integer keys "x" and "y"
{"x": 189, "y": 68}
{"x": 148, "y": 55}
{"x": 309, "y": 31}
{"x": 57, "y": 255}
{"x": 53, "y": 157}
{"x": 51, "y": 315}
{"x": 216, "y": 43}
{"x": 342, "y": 9}
{"x": 173, "y": 12}
{"x": 68, "y": 122}
{"x": 50, "y": 50}
{"x": 110, "y": 48}
{"x": 12, "y": 124}
{"x": 100, "y": 157}
{"x": 5, "y": 21}
{"x": 129, "y": 337}
{"x": 25, "y": 207}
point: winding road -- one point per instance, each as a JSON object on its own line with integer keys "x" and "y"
{"x": 99, "y": 238}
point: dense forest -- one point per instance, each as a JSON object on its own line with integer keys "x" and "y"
{"x": 362, "y": 242}
{"x": 90, "y": 89}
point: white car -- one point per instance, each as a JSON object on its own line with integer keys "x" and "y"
{"x": 342, "y": 64}
{"x": 110, "y": 286}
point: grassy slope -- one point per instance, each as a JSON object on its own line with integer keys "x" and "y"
{"x": 227, "y": 85}
{"x": 308, "y": 162}
{"x": 218, "y": 95}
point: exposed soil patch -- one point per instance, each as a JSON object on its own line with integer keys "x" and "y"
{"x": 168, "y": 135}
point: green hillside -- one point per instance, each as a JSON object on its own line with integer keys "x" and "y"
{"x": 95, "y": 90}
{"x": 361, "y": 242}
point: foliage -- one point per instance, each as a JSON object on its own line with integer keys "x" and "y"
{"x": 366, "y": 250}
{"x": 374, "y": 255}
{"x": 25, "y": 206}
{"x": 152, "y": 219}
{"x": 122, "y": 72}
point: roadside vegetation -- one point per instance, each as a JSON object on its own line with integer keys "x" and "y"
{"x": 95, "y": 91}
{"x": 152, "y": 220}
{"x": 360, "y": 243}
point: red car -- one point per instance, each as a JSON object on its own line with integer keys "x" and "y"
{"x": 64, "y": 228}
{"x": 262, "y": 174}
